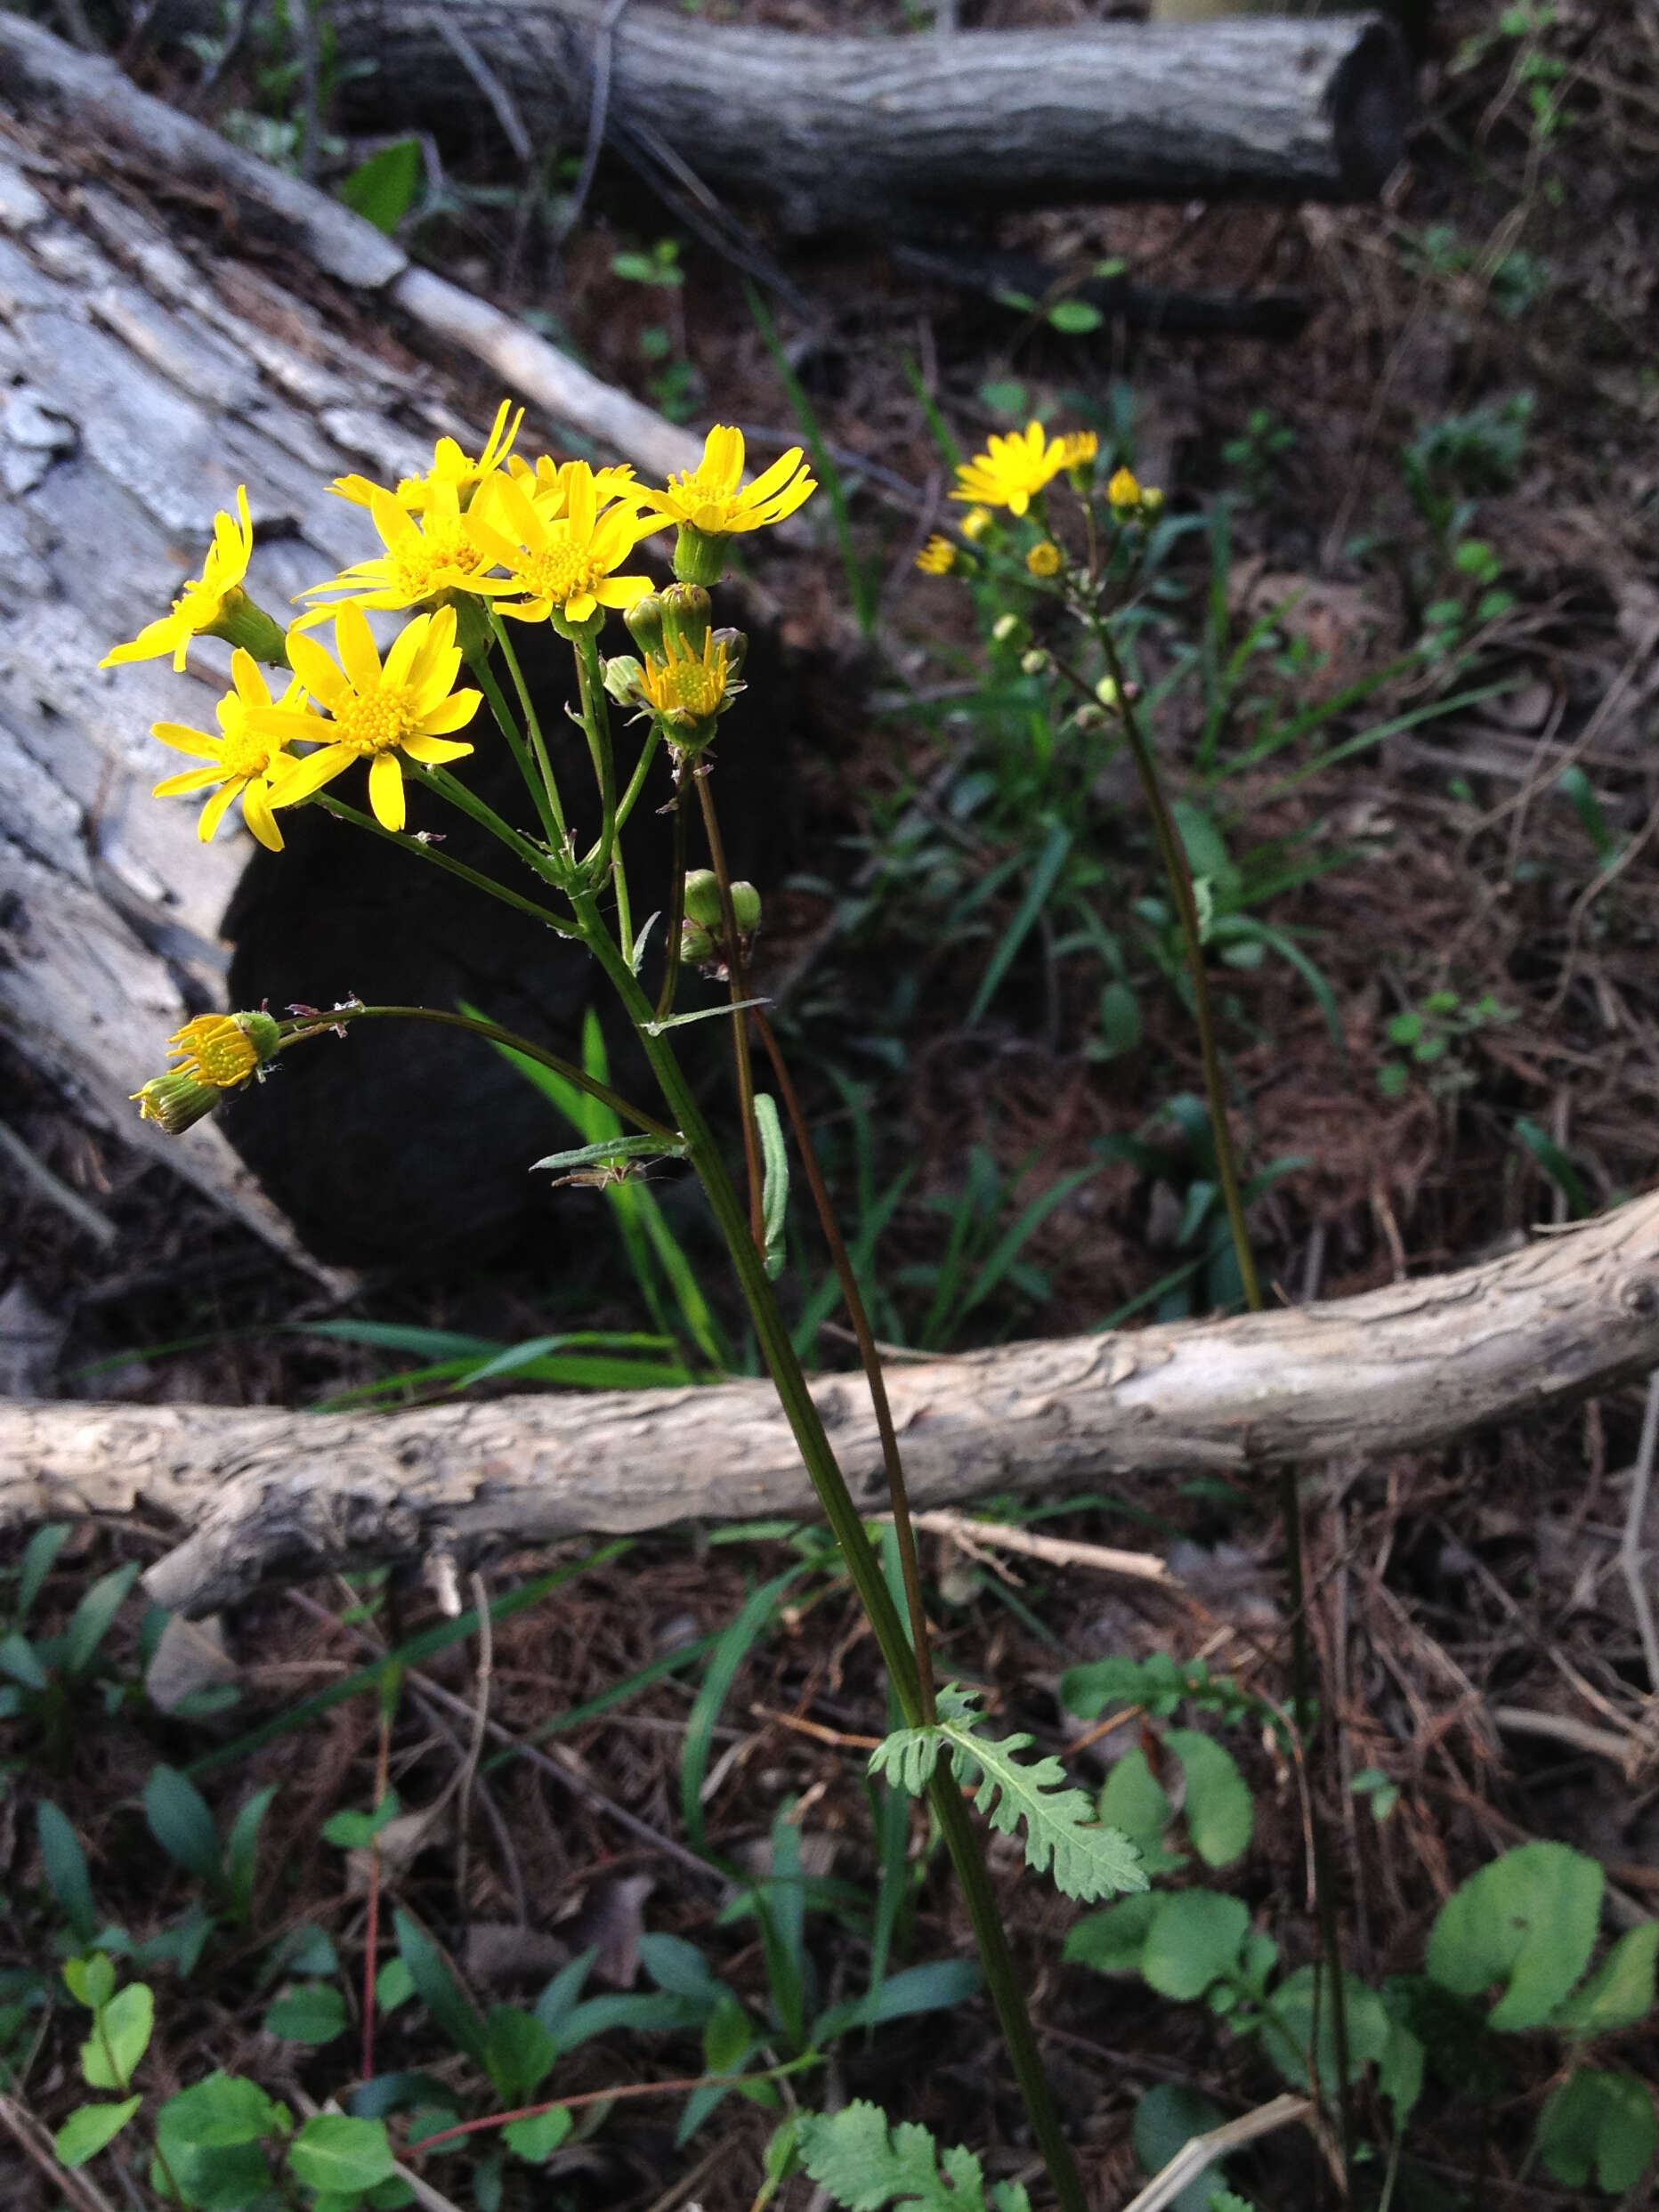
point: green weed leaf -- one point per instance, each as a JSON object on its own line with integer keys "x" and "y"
{"x": 39, "y": 1557}
{"x": 1166, "y": 2119}
{"x": 1527, "y": 1920}
{"x": 1621, "y": 1990}
{"x": 89, "y": 1982}
{"x": 1088, "y": 1861}
{"x": 86, "y": 2132}
{"x": 1220, "y": 1815}
{"x": 219, "y": 2114}
{"x": 241, "y": 1851}
{"x": 1599, "y": 2122}
{"x": 1135, "y": 1800}
{"x": 383, "y": 188}
{"x": 864, "y": 2165}
{"x": 1193, "y": 1941}
{"x": 1112, "y": 1942}
{"x": 537, "y": 2138}
{"x": 110, "y": 2056}
{"x": 313, "y": 2014}
{"x": 334, "y": 2151}
{"x": 775, "y": 1188}
{"x": 518, "y": 2052}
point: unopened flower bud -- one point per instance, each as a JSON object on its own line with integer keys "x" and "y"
{"x": 622, "y": 673}
{"x": 1089, "y": 716}
{"x": 976, "y": 522}
{"x": 736, "y": 643}
{"x": 686, "y": 610}
{"x": 176, "y": 1102}
{"x": 645, "y": 622}
{"x": 1007, "y": 629}
{"x": 1107, "y": 691}
{"x": 1151, "y": 502}
{"x": 745, "y": 909}
{"x": 937, "y": 557}
{"x": 702, "y": 897}
{"x": 699, "y": 554}
{"x": 1124, "y": 491}
{"x": 696, "y": 944}
{"x": 1035, "y": 662}
{"x": 1045, "y": 558}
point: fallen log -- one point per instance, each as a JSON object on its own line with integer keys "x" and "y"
{"x": 269, "y": 1494}
{"x": 146, "y": 369}
{"x": 872, "y": 132}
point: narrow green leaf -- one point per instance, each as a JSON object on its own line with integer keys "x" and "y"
{"x": 39, "y": 1557}
{"x": 441, "y": 1993}
{"x": 90, "y": 1622}
{"x": 611, "y": 1148}
{"x": 775, "y": 1188}
{"x": 182, "y": 1823}
{"x": 66, "y": 1870}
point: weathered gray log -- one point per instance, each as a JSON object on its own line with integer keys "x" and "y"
{"x": 143, "y": 376}
{"x": 858, "y": 130}
{"x": 270, "y": 1494}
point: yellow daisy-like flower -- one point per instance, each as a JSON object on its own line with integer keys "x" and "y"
{"x": 242, "y": 762}
{"x": 1045, "y": 558}
{"x": 1080, "y": 447}
{"x": 713, "y": 499}
{"x": 548, "y": 483}
{"x": 450, "y": 465}
{"x": 424, "y": 558}
{"x": 1012, "y": 469}
{"x": 202, "y": 605}
{"x": 224, "y": 1049}
{"x": 937, "y": 557}
{"x": 976, "y": 522}
{"x": 686, "y": 686}
{"x": 376, "y": 713}
{"x": 563, "y": 562}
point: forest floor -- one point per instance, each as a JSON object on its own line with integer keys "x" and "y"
{"x": 1444, "y": 489}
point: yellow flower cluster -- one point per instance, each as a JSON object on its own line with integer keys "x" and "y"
{"x": 1014, "y": 468}
{"x": 536, "y": 541}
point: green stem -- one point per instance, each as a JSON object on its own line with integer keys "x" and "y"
{"x": 597, "y": 728}
{"x": 538, "y": 861}
{"x": 320, "y": 1024}
{"x": 544, "y": 791}
{"x": 1179, "y": 877}
{"x": 342, "y": 812}
{"x": 636, "y": 781}
{"x": 1172, "y": 853}
{"x": 731, "y": 946}
{"x": 869, "y": 1359}
{"x": 847, "y": 1526}
{"x": 676, "y": 908}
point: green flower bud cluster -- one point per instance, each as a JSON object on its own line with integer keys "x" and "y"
{"x": 701, "y": 931}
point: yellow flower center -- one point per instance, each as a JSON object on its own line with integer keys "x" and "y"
{"x": 216, "y": 1049}
{"x": 559, "y": 572}
{"x": 374, "y": 722}
{"x": 240, "y": 753}
{"x": 421, "y": 571}
{"x": 685, "y": 682}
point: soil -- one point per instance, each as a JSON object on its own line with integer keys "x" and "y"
{"x": 1508, "y": 259}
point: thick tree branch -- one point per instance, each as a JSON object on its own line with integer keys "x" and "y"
{"x": 272, "y": 1493}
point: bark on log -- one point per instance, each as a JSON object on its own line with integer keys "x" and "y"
{"x": 143, "y": 376}
{"x": 862, "y": 131}
{"x": 275, "y": 1494}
